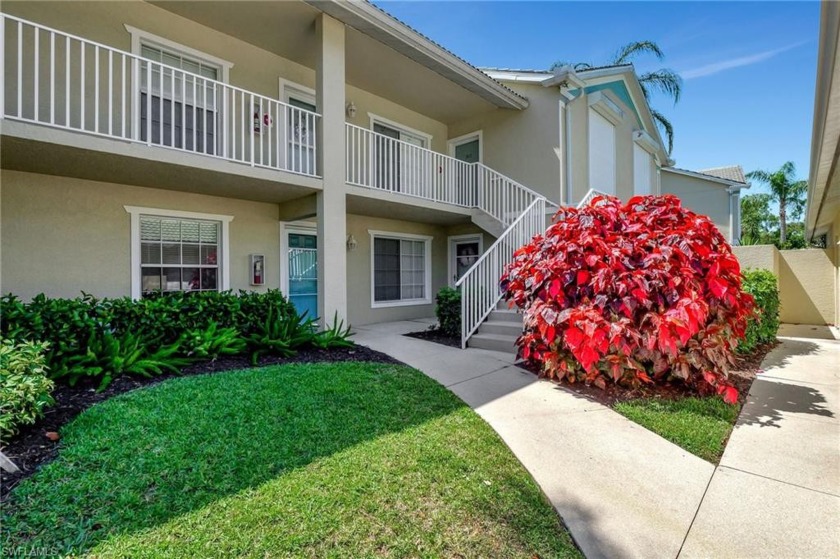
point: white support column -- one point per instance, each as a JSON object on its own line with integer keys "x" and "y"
{"x": 331, "y": 203}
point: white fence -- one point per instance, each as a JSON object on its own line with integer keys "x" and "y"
{"x": 60, "y": 80}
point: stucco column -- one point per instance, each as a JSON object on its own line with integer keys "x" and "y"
{"x": 331, "y": 203}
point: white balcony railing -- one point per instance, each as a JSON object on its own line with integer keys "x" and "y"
{"x": 382, "y": 163}
{"x": 64, "y": 81}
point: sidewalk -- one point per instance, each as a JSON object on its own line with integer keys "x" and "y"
{"x": 776, "y": 492}
{"x": 621, "y": 490}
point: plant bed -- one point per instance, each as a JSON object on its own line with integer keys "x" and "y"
{"x": 31, "y": 447}
{"x": 437, "y": 336}
{"x": 293, "y": 460}
{"x": 697, "y": 423}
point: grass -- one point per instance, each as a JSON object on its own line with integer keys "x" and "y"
{"x": 303, "y": 460}
{"x": 699, "y": 425}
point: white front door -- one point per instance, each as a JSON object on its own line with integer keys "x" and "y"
{"x": 464, "y": 251}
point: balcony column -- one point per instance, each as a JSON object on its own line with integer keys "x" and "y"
{"x": 331, "y": 202}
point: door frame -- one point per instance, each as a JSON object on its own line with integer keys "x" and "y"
{"x": 453, "y": 143}
{"x": 451, "y": 241}
{"x": 297, "y": 227}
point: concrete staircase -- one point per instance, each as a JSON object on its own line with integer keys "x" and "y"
{"x": 499, "y": 331}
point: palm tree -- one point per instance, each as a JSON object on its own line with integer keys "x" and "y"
{"x": 663, "y": 80}
{"x": 786, "y": 191}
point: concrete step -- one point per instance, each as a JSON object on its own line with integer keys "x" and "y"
{"x": 505, "y": 316}
{"x": 503, "y": 327}
{"x": 494, "y": 342}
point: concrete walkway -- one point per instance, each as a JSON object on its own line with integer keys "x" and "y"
{"x": 626, "y": 492}
{"x": 776, "y": 492}
{"x": 622, "y": 490}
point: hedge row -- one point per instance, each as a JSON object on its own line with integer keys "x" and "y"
{"x": 103, "y": 338}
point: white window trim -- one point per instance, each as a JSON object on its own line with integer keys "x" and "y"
{"x": 140, "y": 37}
{"x": 449, "y": 256}
{"x": 289, "y": 88}
{"x": 136, "y": 211}
{"x": 428, "y": 265}
{"x": 466, "y": 138}
{"x": 376, "y": 119}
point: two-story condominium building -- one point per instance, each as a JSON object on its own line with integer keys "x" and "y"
{"x": 319, "y": 147}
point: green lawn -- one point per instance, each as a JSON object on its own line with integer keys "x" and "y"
{"x": 315, "y": 460}
{"x": 699, "y": 425}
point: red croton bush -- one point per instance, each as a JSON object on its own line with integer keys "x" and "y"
{"x": 642, "y": 292}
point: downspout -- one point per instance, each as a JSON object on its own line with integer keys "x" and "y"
{"x": 734, "y": 215}
{"x": 569, "y": 160}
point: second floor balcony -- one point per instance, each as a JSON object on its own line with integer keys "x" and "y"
{"x": 156, "y": 99}
{"x": 64, "y": 81}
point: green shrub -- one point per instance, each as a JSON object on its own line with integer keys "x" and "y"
{"x": 24, "y": 387}
{"x": 103, "y": 338}
{"x": 448, "y": 311}
{"x": 761, "y": 328}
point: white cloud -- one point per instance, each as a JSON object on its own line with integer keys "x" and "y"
{"x": 716, "y": 67}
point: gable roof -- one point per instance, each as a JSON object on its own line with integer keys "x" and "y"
{"x": 622, "y": 72}
{"x": 706, "y": 175}
{"x": 732, "y": 173}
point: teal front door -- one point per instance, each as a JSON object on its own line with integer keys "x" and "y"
{"x": 303, "y": 273}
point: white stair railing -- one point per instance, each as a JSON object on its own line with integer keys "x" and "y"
{"x": 589, "y": 196}
{"x": 63, "y": 81}
{"x": 480, "y": 291}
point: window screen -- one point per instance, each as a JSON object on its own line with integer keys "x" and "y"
{"x": 179, "y": 254}
{"x": 399, "y": 269}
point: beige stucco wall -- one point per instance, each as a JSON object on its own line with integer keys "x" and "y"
{"x": 62, "y": 236}
{"x": 525, "y": 145}
{"x": 700, "y": 196}
{"x": 522, "y": 144}
{"x": 807, "y": 281}
{"x": 758, "y": 257}
{"x": 807, "y": 288}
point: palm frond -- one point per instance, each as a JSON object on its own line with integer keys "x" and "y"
{"x": 760, "y": 176}
{"x": 631, "y": 50}
{"x": 664, "y": 80}
{"x": 666, "y": 126}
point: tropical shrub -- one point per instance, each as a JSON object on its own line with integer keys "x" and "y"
{"x": 762, "y": 327}
{"x": 642, "y": 292}
{"x": 103, "y": 338}
{"x": 448, "y": 311}
{"x": 25, "y": 389}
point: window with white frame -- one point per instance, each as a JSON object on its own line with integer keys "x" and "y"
{"x": 300, "y": 125}
{"x": 178, "y": 93}
{"x": 178, "y": 251}
{"x": 401, "y": 269}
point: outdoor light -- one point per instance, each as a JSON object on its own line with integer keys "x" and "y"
{"x": 351, "y": 109}
{"x": 351, "y": 243}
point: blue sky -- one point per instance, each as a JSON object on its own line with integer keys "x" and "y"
{"x": 749, "y": 68}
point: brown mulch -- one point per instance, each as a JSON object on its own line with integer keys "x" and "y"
{"x": 33, "y": 447}
{"x": 436, "y": 335}
{"x": 741, "y": 375}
